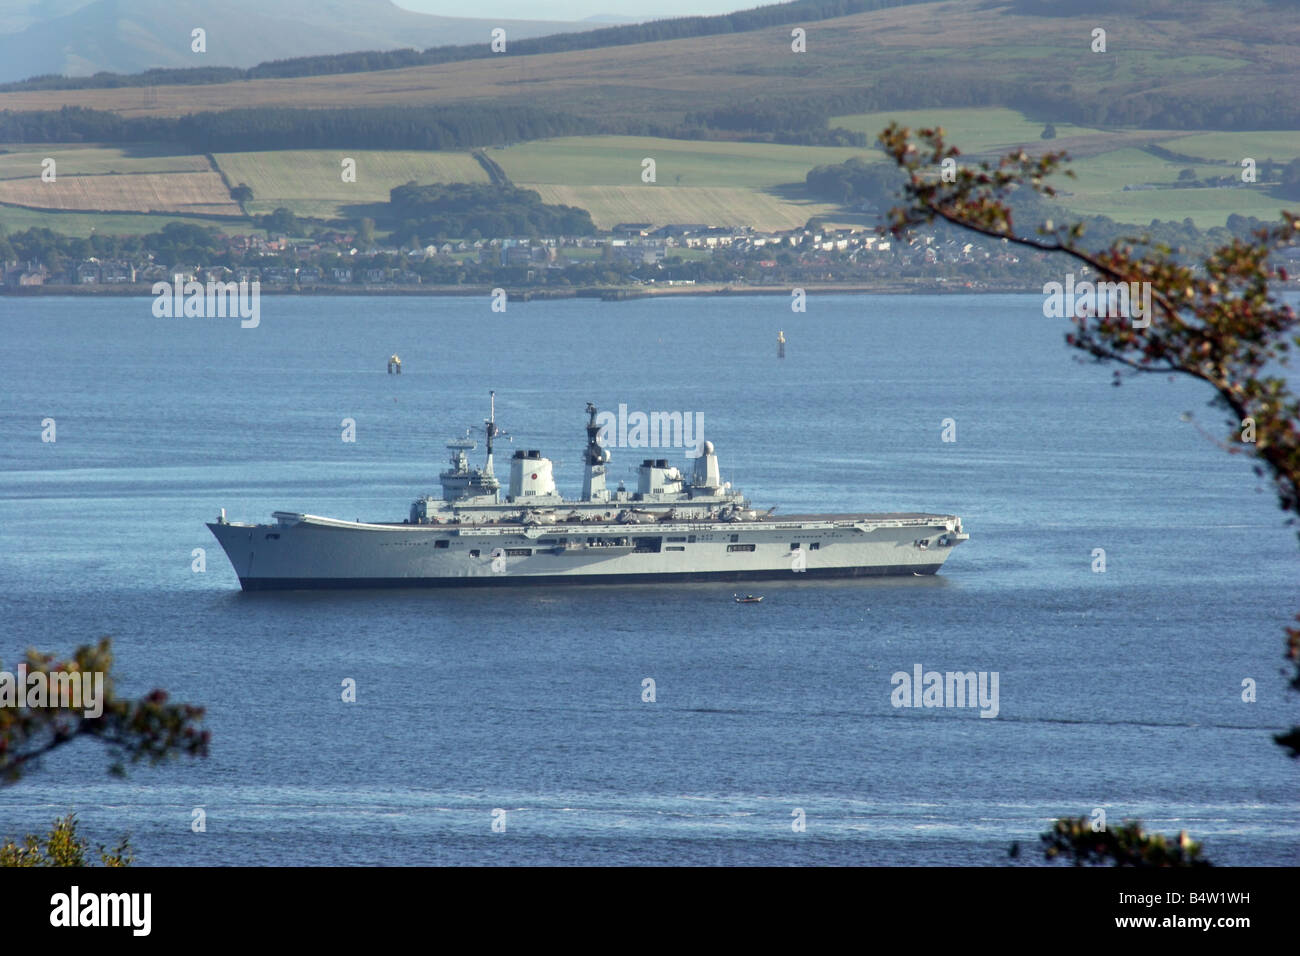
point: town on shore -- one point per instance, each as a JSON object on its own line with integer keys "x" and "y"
{"x": 632, "y": 259}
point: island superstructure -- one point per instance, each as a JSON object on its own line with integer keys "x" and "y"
{"x": 673, "y": 527}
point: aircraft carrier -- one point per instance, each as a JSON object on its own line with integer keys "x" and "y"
{"x": 673, "y": 527}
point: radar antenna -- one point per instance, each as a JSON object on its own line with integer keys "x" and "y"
{"x": 596, "y": 453}
{"x": 491, "y": 431}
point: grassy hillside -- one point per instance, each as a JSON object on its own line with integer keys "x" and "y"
{"x": 1246, "y": 48}
{"x": 721, "y": 183}
{"x": 943, "y": 51}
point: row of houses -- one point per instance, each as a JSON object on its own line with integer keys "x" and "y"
{"x": 90, "y": 272}
{"x": 636, "y": 243}
{"x": 637, "y": 252}
{"x": 629, "y": 247}
{"x": 307, "y": 275}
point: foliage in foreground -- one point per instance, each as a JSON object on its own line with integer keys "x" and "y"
{"x": 149, "y": 728}
{"x": 1075, "y": 841}
{"x": 1220, "y": 321}
{"x": 62, "y": 847}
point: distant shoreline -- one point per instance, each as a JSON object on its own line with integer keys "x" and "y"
{"x": 609, "y": 294}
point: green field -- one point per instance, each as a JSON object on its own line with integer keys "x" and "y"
{"x": 21, "y": 161}
{"x": 1280, "y": 145}
{"x": 719, "y": 183}
{"x": 660, "y": 205}
{"x": 1108, "y": 160}
{"x": 1098, "y": 189}
{"x": 970, "y": 130}
{"x": 115, "y": 175}
{"x": 1205, "y": 207}
{"x": 17, "y": 219}
{"x": 616, "y": 161}
{"x": 310, "y": 181}
{"x": 1111, "y": 172}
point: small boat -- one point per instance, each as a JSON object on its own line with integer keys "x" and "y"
{"x": 747, "y": 599}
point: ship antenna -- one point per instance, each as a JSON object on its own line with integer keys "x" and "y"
{"x": 491, "y": 429}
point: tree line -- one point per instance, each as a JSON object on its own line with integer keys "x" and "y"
{"x": 463, "y": 126}
{"x": 1235, "y": 108}
{"x": 434, "y": 127}
{"x": 855, "y": 181}
{"x": 175, "y": 242}
{"x": 777, "y": 120}
{"x": 476, "y": 210}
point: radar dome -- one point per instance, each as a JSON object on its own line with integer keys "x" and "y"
{"x": 708, "y": 448}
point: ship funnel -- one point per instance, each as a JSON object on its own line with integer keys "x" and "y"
{"x": 530, "y": 475}
{"x": 657, "y": 477}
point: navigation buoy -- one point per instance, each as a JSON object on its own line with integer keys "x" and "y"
{"x": 394, "y": 365}
{"x": 780, "y": 344}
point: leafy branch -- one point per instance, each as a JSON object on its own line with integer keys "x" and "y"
{"x": 150, "y": 728}
{"x": 1219, "y": 321}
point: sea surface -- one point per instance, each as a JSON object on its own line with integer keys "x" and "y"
{"x": 1120, "y": 690}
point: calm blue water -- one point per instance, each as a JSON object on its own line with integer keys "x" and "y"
{"x": 1119, "y": 690}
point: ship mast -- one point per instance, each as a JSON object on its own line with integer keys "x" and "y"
{"x": 490, "y": 424}
{"x": 595, "y": 459}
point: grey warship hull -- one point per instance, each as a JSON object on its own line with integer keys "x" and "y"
{"x": 673, "y": 528}
{"x": 548, "y": 580}
{"x": 305, "y": 551}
